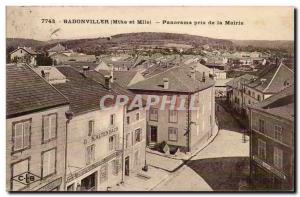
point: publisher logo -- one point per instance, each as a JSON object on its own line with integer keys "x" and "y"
{"x": 26, "y": 178}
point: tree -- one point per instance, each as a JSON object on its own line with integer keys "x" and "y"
{"x": 43, "y": 60}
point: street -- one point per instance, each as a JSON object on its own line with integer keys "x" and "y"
{"x": 222, "y": 165}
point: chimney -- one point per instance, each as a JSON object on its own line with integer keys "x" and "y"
{"x": 203, "y": 77}
{"x": 112, "y": 74}
{"x": 107, "y": 82}
{"x": 166, "y": 83}
{"x": 193, "y": 72}
{"x": 85, "y": 70}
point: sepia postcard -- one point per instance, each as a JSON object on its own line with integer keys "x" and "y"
{"x": 150, "y": 99}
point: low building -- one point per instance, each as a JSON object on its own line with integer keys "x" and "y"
{"x": 23, "y": 55}
{"x": 272, "y": 142}
{"x": 58, "y": 48}
{"x": 184, "y": 128}
{"x": 64, "y": 58}
{"x": 35, "y": 132}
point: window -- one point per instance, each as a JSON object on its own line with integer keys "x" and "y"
{"x": 112, "y": 119}
{"x": 127, "y": 140}
{"x": 112, "y": 143}
{"x": 48, "y": 163}
{"x": 261, "y": 125}
{"x": 278, "y": 157}
{"x": 103, "y": 173}
{"x": 21, "y": 135}
{"x": 261, "y": 149}
{"x": 90, "y": 154}
{"x": 249, "y": 102}
{"x": 173, "y": 116}
{"x": 91, "y": 127}
{"x": 278, "y": 132}
{"x": 249, "y": 93}
{"x": 19, "y": 168}
{"x": 173, "y": 134}
{"x": 137, "y": 116}
{"x": 115, "y": 166}
{"x": 49, "y": 127}
{"x": 153, "y": 114}
{"x": 138, "y": 135}
{"x": 258, "y": 97}
{"x": 128, "y": 120}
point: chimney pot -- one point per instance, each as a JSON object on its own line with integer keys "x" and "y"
{"x": 166, "y": 83}
{"x": 107, "y": 82}
{"x": 203, "y": 77}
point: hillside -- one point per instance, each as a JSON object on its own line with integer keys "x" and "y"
{"x": 136, "y": 40}
{"x": 283, "y": 44}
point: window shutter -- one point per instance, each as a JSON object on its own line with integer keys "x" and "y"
{"x": 117, "y": 142}
{"x": 52, "y": 161}
{"x": 45, "y": 164}
{"x": 18, "y": 138}
{"x": 26, "y": 134}
{"x": 53, "y": 126}
{"x": 46, "y": 128}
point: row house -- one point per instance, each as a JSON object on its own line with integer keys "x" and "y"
{"x": 96, "y": 135}
{"x": 134, "y": 139}
{"x": 35, "y": 132}
{"x": 272, "y": 142}
{"x": 186, "y": 128}
{"x": 270, "y": 81}
{"x": 235, "y": 91}
{"x": 248, "y": 89}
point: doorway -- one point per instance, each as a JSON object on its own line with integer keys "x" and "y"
{"x": 89, "y": 183}
{"x": 127, "y": 166}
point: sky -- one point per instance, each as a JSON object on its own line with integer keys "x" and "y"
{"x": 259, "y": 23}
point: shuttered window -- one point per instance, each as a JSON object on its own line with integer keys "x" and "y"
{"x": 90, "y": 154}
{"x": 21, "y": 135}
{"x": 49, "y": 127}
{"x": 91, "y": 128}
{"x": 49, "y": 162}
{"x": 278, "y": 158}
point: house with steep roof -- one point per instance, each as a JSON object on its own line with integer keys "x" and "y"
{"x": 35, "y": 131}
{"x": 180, "y": 128}
{"x": 270, "y": 81}
{"x": 58, "y": 48}
{"x": 23, "y": 55}
{"x": 272, "y": 142}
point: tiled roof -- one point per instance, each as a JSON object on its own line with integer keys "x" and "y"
{"x": 234, "y": 83}
{"x": 273, "y": 79}
{"x": 280, "y": 104}
{"x": 57, "y": 48}
{"x": 28, "y": 49}
{"x": 123, "y": 78}
{"x": 83, "y": 92}
{"x": 179, "y": 81}
{"x": 27, "y": 91}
